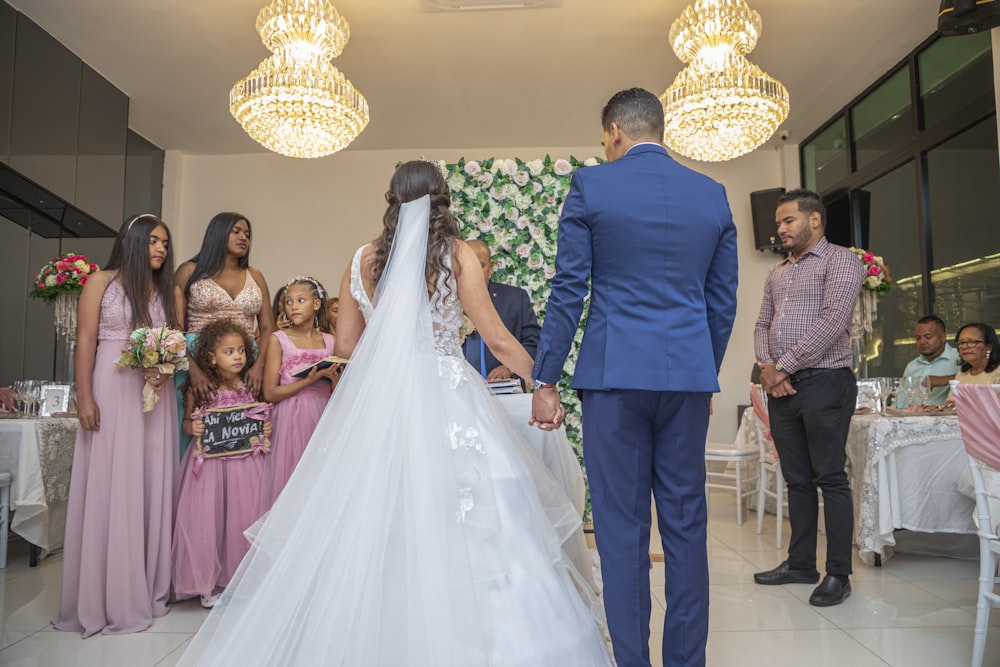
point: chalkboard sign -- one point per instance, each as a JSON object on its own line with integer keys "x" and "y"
{"x": 235, "y": 430}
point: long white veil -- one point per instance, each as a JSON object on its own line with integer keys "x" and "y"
{"x": 364, "y": 560}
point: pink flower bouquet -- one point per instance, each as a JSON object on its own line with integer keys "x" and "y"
{"x": 66, "y": 274}
{"x": 162, "y": 348}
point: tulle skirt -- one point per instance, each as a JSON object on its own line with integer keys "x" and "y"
{"x": 418, "y": 529}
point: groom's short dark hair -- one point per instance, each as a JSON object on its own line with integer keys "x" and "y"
{"x": 637, "y": 112}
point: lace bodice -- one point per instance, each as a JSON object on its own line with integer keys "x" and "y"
{"x": 208, "y": 302}
{"x": 446, "y": 309}
{"x": 115, "y": 322}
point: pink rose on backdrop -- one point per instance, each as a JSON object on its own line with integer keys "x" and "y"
{"x": 508, "y": 167}
{"x": 512, "y": 214}
{"x": 536, "y": 231}
{"x": 522, "y": 222}
{"x": 485, "y": 179}
{"x": 521, "y": 178}
{"x": 485, "y": 225}
{"x": 536, "y": 186}
{"x": 472, "y": 168}
{"x": 562, "y": 168}
{"x": 535, "y": 262}
{"x": 524, "y": 251}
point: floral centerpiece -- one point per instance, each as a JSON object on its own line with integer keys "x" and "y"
{"x": 876, "y": 273}
{"x": 66, "y": 274}
{"x": 162, "y": 348}
{"x": 876, "y": 284}
{"x": 60, "y": 281}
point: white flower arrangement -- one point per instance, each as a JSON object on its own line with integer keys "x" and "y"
{"x": 514, "y": 206}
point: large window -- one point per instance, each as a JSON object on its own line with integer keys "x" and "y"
{"x": 918, "y": 182}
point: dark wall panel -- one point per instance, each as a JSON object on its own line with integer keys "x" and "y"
{"x": 46, "y": 110}
{"x": 100, "y": 163}
{"x": 8, "y": 20}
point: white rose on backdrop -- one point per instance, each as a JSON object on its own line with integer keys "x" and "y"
{"x": 548, "y": 180}
{"x": 536, "y": 186}
{"x": 562, "y": 168}
{"x": 522, "y": 222}
{"x": 524, "y": 251}
{"x": 521, "y": 178}
{"x": 485, "y": 179}
{"x": 509, "y": 167}
{"x": 472, "y": 168}
{"x": 498, "y": 192}
{"x": 590, "y": 162}
{"x": 549, "y": 271}
{"x": 535, "y": 167}
{"x": 512, "y": 214}
{"x": 535, "y": 262}
{"x": 456, "y": 182}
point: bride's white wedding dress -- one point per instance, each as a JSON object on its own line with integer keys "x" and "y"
{"x": 418, "y": 529}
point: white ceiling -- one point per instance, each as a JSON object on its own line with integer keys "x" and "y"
{"x": 501, "y": 78}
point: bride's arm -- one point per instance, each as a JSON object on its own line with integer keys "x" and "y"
{"x": 350, "y": 321}
{"x": 475, "y": 298}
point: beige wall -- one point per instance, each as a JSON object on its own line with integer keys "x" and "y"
{"x": 309, "y": 216}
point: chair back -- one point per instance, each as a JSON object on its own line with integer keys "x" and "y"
{"x": 978, "y": 409}
{"x": 758, "y": 398}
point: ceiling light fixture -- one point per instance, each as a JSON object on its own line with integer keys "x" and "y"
{"x": 721, "y": 105}
{"x": 296, "y": 102}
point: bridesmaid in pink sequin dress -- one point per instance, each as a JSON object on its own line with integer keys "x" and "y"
{"x": 116, "y": 562}
{"x": 219, "y": 284}
{"x": 299, "y": 402}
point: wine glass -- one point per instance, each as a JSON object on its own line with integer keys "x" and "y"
{"x": 35, "y": 395}
{"x": 18, "y": 387}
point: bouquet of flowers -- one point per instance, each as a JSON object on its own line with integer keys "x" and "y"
{"x": 162, "y": 348}
{"x": 62, "y": 275}
{"x": 876, "y": 274}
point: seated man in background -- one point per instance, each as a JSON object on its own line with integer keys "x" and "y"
{"x": 514, "y": 307}
{"x": 938, "y": 360}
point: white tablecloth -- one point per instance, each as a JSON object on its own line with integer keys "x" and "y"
{"x": 904, "y": 473}
{"x": 39, "y": 455}
{"x": 553, "y": 447}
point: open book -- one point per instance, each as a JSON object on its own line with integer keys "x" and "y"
{"x": 322, "y": 364}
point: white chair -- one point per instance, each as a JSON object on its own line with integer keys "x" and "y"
{"x": 768, "y": 466}
{"x": 742, "y": 480}
{"x": 4, "y": 515}
{"x": 978, "y": 411}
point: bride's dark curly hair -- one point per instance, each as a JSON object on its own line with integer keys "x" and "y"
{"x": 411, "y": 181}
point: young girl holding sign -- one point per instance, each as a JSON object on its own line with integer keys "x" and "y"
{"x": 299, "y": 401}
{"x": 221, "y": 491}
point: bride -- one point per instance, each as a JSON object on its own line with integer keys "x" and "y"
{"x": 418, "y": 529}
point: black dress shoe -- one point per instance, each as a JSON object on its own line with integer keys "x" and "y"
{"x": 784, "y": 575}
{"x": 830, "y": 592}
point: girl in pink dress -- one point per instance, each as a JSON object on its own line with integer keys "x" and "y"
{"x": 116, "y": 561}
{"x": 218, "y": 497}
{"x": 299, "y": 402}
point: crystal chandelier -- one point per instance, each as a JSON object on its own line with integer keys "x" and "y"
{"x": 721, "y": 105}
{"x": 296, "y": 102}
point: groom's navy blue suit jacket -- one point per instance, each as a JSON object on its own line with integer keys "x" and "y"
{"x": 657, "y": 242}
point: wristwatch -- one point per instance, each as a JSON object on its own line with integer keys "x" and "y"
{"x": 538, "y": 384}
{"x": 778, "y": 367}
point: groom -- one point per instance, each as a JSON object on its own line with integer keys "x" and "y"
{"x": 657, "y": 243}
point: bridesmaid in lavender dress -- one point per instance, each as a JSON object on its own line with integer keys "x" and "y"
{"x": 219, "y": 284}
{"x": 116, "y": 563}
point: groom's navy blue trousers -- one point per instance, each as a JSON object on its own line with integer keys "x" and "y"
{"x": 637, "y": 443}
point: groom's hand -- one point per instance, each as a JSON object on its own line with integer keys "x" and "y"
{"x": 546, "y": 411}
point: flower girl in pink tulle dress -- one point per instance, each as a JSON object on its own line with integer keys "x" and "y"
{"x": 221, "y": 492}
{"x": 299, "y": 402}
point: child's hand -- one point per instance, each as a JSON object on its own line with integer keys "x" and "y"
{"x": 197, "y": 428}
{"x": 332, "y": 372}
{"x": 267, "y": 428}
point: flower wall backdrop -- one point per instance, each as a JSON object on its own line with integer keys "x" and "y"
{"x": 513, "y": 206}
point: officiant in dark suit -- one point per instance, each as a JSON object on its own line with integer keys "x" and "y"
{"x": 514, "y": 307}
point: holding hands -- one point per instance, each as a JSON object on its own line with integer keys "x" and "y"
{"x": 776, "y": 383}
{"x": 547, "y": 412}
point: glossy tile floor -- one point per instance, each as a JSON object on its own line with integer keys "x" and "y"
{"x": 916, "y": 611}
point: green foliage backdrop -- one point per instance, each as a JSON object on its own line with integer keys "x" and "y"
{"x": 514, "y": 206}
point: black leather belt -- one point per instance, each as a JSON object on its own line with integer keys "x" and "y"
{"x": 798, "y": 376}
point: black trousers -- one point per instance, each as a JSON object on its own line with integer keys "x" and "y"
{"x": 810, "y": 433}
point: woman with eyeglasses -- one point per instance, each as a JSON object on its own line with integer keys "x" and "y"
{"x": 979, "y": 350}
